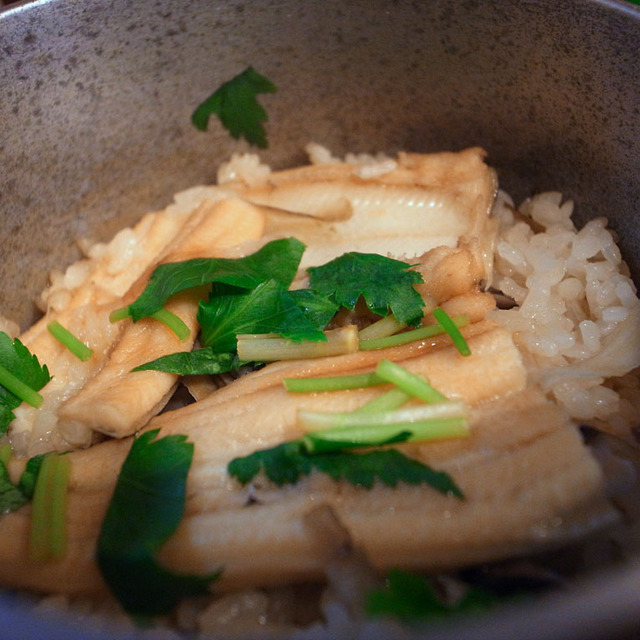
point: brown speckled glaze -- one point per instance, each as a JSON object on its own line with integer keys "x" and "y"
{"x": 96, "y": 96}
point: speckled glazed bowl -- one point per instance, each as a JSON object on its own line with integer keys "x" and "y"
{"x": 95, "y": 101}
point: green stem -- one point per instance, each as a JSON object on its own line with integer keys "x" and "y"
{"x": 19, "y": 388}
{"x": 48, "y": 509}
{"x": 388, "y": 401}
{"x": 410, "y": 383}
{"x": 322, "y": 421}
{"x": 422, "y": 333}
{"x": 172, "y": 321}
{"x": 331, "y": 383}
{"x": 119, "y": 314}
{"x": 5, "y": 453}
{"x": 383, "y": 328}
{"x": 66, "y": 338}
{"x": 449, "y": 325}
{"x": 271, "y": 347}
{"x": 58, "y": 509}
{"x": 373, "y": 435}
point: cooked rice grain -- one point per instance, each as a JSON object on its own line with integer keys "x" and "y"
{"x": 577, "y": 319}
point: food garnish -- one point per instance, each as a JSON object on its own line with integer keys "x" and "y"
{"x": 43, "y": 481}
{"x": 252, "y": 312}
{"x": 48, "y": 538}
{"x": 376, "y": 424}
{"x": 21, "y": 377}
{"x": 384, "y": 283}
{"x": 453, "y": 330}
{"x": 14, "y": 496}
{"x": 409, "y": 597}
{"x": 146, "y": 507}
{"x": 71, "y": 342}
{"x": 235, "y": 103}
{"x": 277, "y": 260}
{"x": 286, "y": 463}
{"x": 198, "y": 362}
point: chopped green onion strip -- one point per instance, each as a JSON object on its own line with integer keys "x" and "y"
{"x": 66, "y": 338}
{"x": 58, "y": 509}
{"x": 375, "y": 434}
{"x": 383, "y": 328}
{"x": 5, "y": 453}
{"x": 448, "y": 324}
{"x": 19, "y": 388}
{"x": 422, "y": 333}
{"x": 388, "y": 401}
{"x": 119, "y": 314}
{"x": 331, "y": 383}
{"x": 48, "y": 512}
{"x": 410, "y": 383}
{"x": 172, "y": 321}
{"x": 321, "y": 421}
{"x": 270, "y": 347}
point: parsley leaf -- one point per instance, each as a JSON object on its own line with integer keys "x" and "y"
{"x": 286, "y": 463}
{"x": 277, "y": 260}
{"x": 192, "y": 363}
{"x": 269, "y": 308}
{"x": 384, "y": 283}
{"x": 234, "y": 102}
{"x": 411, "y": 598}
{"x": 317, "y": 308}
{"x": 22, "y": 364}
{"x": 146, "y": 508}
{"x": 14, "y": 496}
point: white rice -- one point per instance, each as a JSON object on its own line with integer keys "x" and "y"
{"x": 577, "y": 319}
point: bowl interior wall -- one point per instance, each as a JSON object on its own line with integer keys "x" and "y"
{"x": 96, "y": 101}
{"x": 96, "y": 98}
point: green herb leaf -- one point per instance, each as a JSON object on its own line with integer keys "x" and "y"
{"x": 385, "y": 284}
{"x": 18, "y": 361}
{"x": 193, "y": 363}
{"x": 145, "y": 510}
{"x": 411, "y": 598}
{"x": 29, "y": 476}
{"x": 278, "y": 260}
{"x": 13, "y": 496}
{"x": 269, "y": 308}
{"x": 288, "y": 462}
{"x": 234, "y": 102}
{"x": 318, "y": 309}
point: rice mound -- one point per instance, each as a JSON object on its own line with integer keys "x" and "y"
{"x": 576, "y": 317}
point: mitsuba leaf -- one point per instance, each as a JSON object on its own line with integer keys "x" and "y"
{"x": 145, "y": 510}
{"x": 277, "y": 260}
{"x": 318, "y": 309}
{"x": 269, "y": 308}
{"x": 411, "y": 598}
{"x": 193, "y": 363}
{"x": 20, "y": 362}
{"x": 235, "y": 103}
{"x": 13, "y": 496}
{"x": 288, "y": 462}
{"x": 384, "y": 283}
